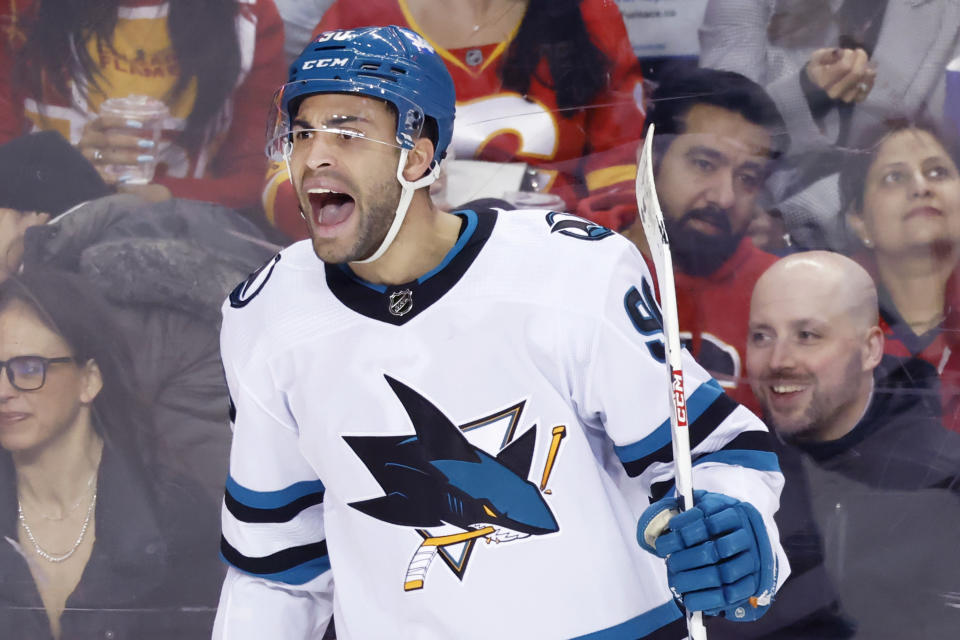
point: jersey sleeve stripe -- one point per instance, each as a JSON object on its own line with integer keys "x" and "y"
{"x": 639, "y": 627}
{"x": 283, "y": 513}
{"x": 701, "y": 426}
{"x": 279, "y": 499}
{"x": 756, "y": 440}
{"x": 759, "y": 460}
{"x": 698, "y": 402}
{"x": 713, "y": 417}
{"x": 294, "y": 565}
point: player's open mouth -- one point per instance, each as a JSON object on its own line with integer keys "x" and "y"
{"x": 329, "y": 208}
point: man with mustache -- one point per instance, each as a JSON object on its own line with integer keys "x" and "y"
{"x": 716, "y": 135}
{"x": 865, "y": 461}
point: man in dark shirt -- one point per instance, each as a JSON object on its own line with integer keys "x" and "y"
{"x": 880, "y": 470}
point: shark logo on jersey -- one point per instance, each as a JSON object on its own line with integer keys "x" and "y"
{"x": 436, "y": 479}
{"x": 575, "y": 227}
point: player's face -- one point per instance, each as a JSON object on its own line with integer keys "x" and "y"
{"x": 346, "y": 186}
{"x": 911, "y": 197}
{"x": 805, "y": 357}
{"x": 707, "y": 182}
{"x": 30, "y": 420}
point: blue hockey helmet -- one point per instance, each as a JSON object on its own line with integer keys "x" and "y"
{"x": 389, "y": 63}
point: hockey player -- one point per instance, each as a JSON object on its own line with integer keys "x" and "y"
{"x": 448, "y": 425}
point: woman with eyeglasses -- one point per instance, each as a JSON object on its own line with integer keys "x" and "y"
{"x": 99, "y": 541}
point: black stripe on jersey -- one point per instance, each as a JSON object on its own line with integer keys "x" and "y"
{"x": 660, "y": 489}
{"x": 700, "y": 428}
{"x": 278, "y": 562}
{"x": 748, "y": 440}
{"x": 672, "y": 631}
{"x": 373, "y": 301}
{"x": 287, "y": 512}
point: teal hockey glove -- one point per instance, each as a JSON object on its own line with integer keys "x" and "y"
{"x": 718, "y": 554}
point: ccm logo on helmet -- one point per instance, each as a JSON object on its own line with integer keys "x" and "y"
{"x": 325, "y": 62}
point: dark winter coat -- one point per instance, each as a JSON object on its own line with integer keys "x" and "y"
{"x": 166, "y": 268}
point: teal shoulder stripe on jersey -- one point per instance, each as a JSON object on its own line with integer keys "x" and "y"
{"x": 759, "y": 460}
{"x": 639, "y": 627}
{"x": 272, "y": 499}
{"x": 301, "y": 574}
{"x": 698, "y": 402}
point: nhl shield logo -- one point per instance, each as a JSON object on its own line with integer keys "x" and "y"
{"x": 401, "y": 302}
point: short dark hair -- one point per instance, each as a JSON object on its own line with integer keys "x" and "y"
{"x": 859, "y": 156}
{"x": 682, "y": 88}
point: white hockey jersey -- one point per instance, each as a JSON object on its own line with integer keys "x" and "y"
{"x": 466, "y": 455}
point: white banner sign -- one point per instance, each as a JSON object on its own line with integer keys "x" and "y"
{"x": 663, "y": 28}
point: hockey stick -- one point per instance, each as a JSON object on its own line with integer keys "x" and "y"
{"x": 427, "y": 551}
{"x": 652, "y": 219}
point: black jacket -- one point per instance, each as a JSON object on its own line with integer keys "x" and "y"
{"x": 153, "y": 573}
{"x": 166, "y": 269}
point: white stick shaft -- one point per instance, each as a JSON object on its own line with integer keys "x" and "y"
{"x": 652, "y": 219}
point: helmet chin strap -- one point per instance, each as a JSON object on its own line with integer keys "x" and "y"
{"x": 406, "y": 195}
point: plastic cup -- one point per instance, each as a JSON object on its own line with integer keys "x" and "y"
{"x": 143, "y": 117}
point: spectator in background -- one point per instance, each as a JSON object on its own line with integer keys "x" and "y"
{"x": 299, "y": 18}
{"x": 163, "y": 267}
{"x": 833, "y": 68}
{"x": 99, "y": 540}
{"x": 553, "y": 83}
{"x": 900, "y": 189}
{"x": 716, "y": 134}
{"x": 883, "y": 473}
{"x": 210, "y": 62}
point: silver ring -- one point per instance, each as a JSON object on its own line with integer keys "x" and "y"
{"x": 863, "y": 87}
{"x": 97, "y": 155}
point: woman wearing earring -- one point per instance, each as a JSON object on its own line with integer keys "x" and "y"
{"x": 901, "y": 194}
{"x": 98, "y": 542}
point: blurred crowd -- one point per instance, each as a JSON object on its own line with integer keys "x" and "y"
{"x": 805, "y": 159}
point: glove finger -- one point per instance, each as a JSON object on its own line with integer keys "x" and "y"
{"x": 701, "y": 555}
{"x": 729, "y": 519}
{"x": 706, "y": 600}
{"x": 690, "y": 526}
{"x": 740, "y": 590}
{"x": 711, "y": 503}
{"x": 737, "y": 568}
{"x": 734, "y": 543}
{"x": 668, "y": 543}
{"x": 695, "y": 579}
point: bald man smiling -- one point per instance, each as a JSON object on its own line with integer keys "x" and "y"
{"x": 813, "y": 344}
{"x": 871, "y": 474}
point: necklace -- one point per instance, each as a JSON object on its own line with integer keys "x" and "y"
{"x": 76, "y": 505}
{"x": 49, "y": 557}
{"x": 492, "y": 21}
